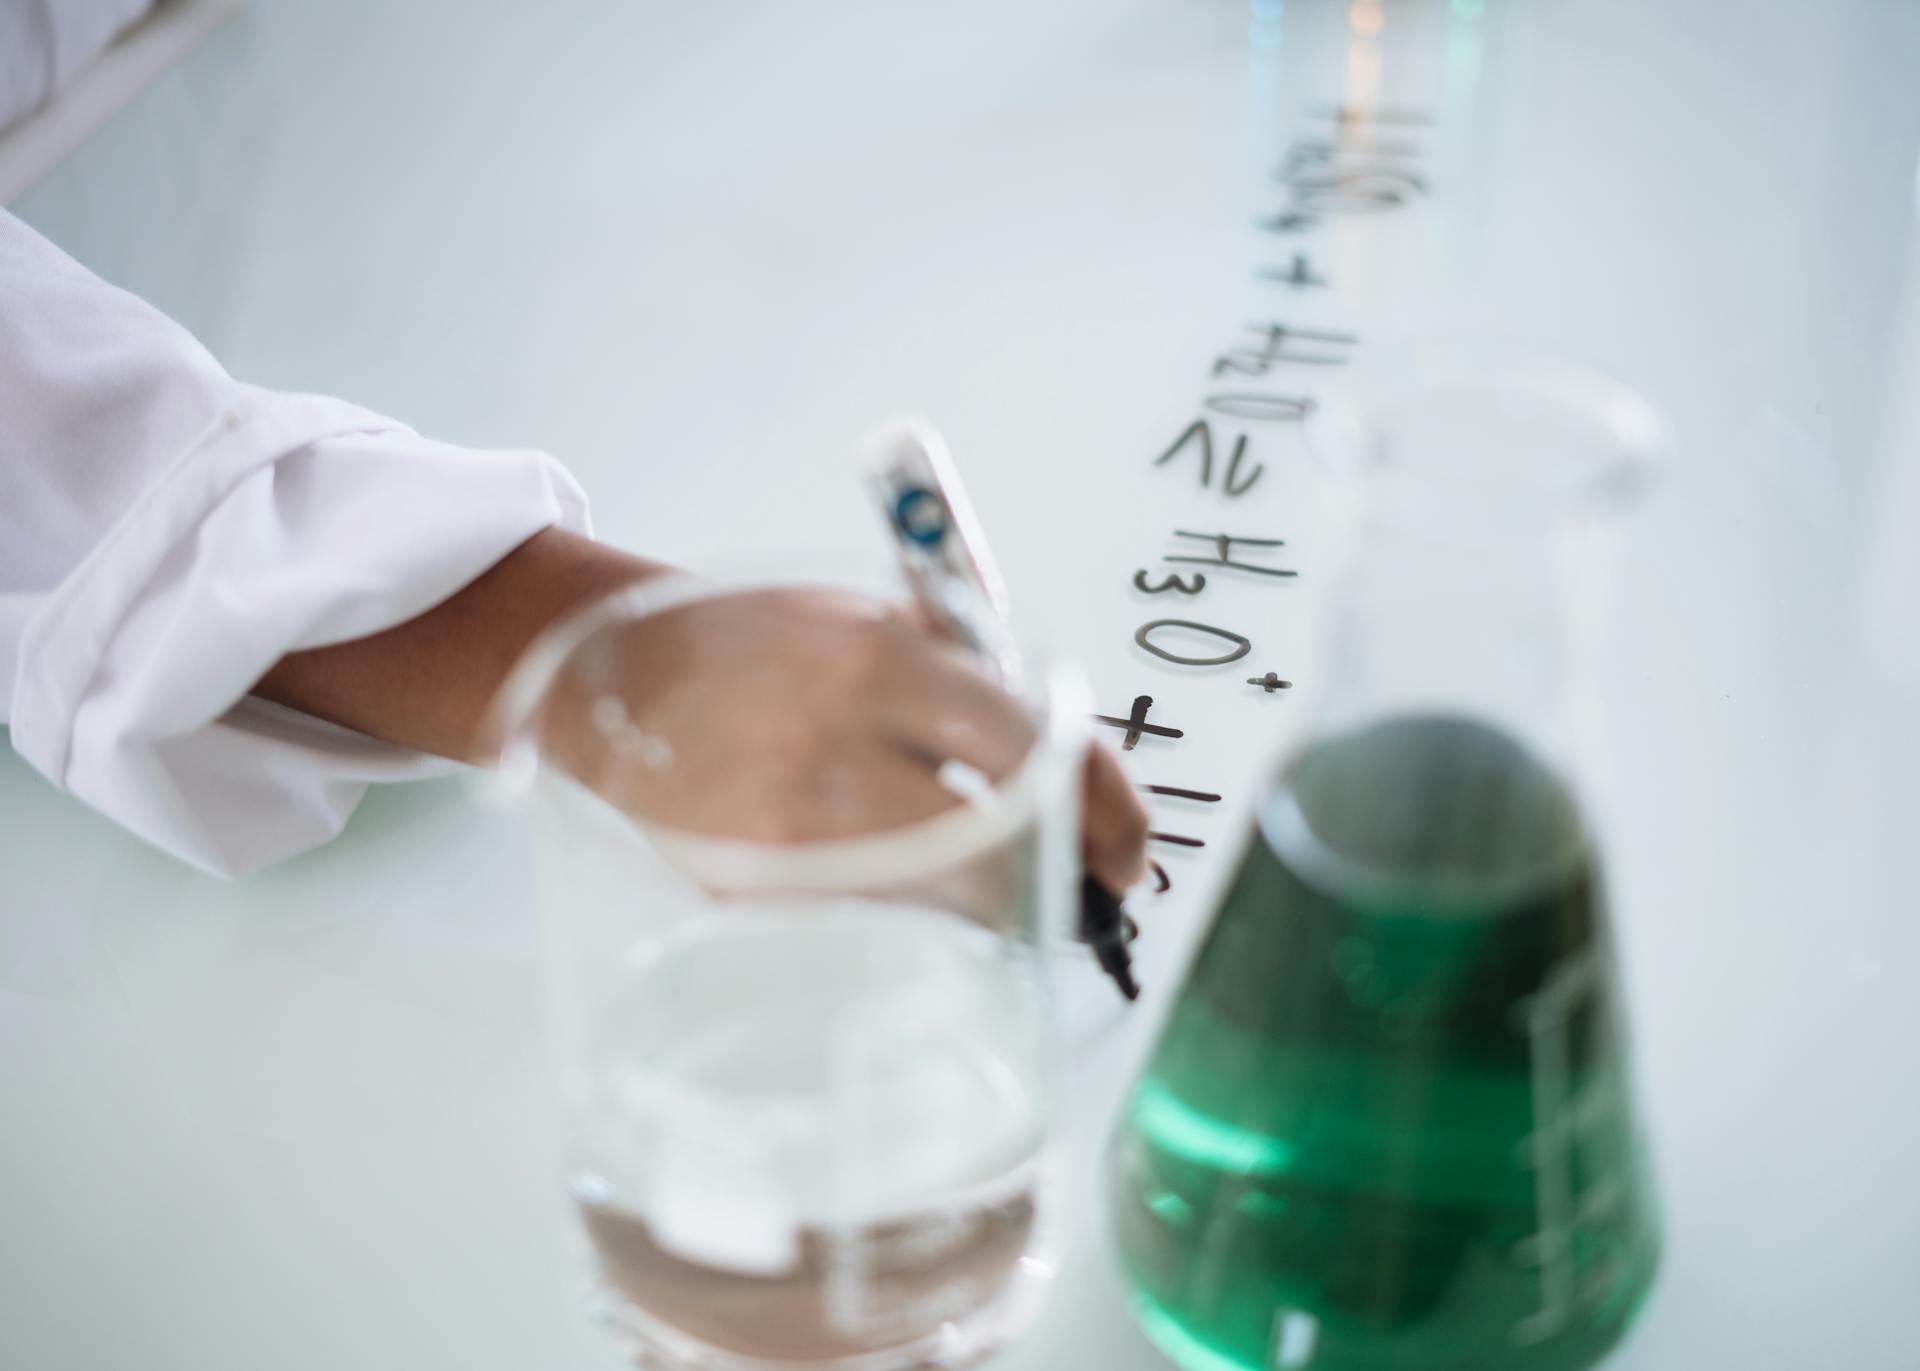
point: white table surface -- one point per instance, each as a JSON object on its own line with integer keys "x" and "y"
{"x": 301, "y": 1121}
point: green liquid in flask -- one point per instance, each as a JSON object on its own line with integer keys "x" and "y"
{"x": 1388, "y": 1125}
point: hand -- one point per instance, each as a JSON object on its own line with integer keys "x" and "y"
{"x": 800, "y": 715}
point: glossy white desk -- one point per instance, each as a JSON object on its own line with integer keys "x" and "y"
{"x": 301, "y": 1121}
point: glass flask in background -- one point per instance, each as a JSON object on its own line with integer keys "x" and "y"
{"x": 805, "y": 1080}
{"x": 1389, "y": 1125}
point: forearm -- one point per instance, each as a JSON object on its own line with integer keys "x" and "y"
{"x": 426, "y": 683}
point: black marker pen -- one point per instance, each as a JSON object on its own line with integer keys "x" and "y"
{"x": 954, "y": 579}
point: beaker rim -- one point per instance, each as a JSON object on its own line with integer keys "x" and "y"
{"x": 1467, "y": 419}
{"x": 1052, "y": 693}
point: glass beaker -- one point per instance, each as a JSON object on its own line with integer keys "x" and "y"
{"x": 1388, "y": 1124}
{"x": 804, "y": 1071}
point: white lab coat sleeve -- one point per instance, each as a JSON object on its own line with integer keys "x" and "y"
{"x": 167, "y": 534}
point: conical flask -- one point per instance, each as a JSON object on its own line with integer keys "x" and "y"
{"x": 1389, "y": 1124}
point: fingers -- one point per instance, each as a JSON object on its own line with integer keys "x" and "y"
{"x": 918, "y": 617}
{"x": 1114, "y": 838}
{"x": 941, "y": 701}
{"x": 871, "y": 705}
{"x": 949, "y": 706}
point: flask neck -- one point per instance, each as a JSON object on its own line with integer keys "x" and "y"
{"x": 1468, "y": 619}
{"x": 1480, "y": 489}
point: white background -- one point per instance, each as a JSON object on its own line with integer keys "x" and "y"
{"x": 697, "y": 251}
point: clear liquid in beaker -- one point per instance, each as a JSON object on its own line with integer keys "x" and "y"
{"x": 813, "y": 1135}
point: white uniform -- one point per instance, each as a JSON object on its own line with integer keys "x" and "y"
{"x": 168, "y": 533}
